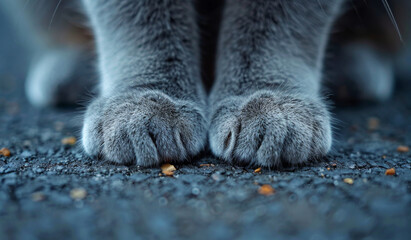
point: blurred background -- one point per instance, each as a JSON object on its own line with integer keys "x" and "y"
{"x": 14, "y": 61}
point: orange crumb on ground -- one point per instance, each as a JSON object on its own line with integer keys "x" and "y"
{"x": 403, "y": 149}
{"x": 168, "y": 169}
{"x": 390, "y": 172}
{"x": 5, "y": 152}
{"x": 266, "y": 190}
{"x": 69, "y": 141}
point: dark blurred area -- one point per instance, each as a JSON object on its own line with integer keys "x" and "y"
{"x": 14, "y": 61}
{"x": 369, "y": 54}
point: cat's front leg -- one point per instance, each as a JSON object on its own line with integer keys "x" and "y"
{"x": 151, "y": 106}
{"x": 266, "y": 107}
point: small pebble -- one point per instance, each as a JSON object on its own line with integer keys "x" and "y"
{"x": 195, "y": 191}
{"x": 26, "y": 154}
{"x": 349, "y": 181}
{"x": 207, "y": 165}
{"x": 38, "y": 196}
{"x": 58, "y": 126}
{"x": 78, "y": 193}
{"x": 217, "y": 177}
{"x": 373, "y": 123}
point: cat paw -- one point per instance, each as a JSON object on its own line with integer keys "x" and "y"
{"x": 143, "y": 129}
{"x": 270, "y": 129}
{"x": 59, "y": 77}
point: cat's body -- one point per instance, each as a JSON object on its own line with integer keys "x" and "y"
{"x": 264, "y": 107}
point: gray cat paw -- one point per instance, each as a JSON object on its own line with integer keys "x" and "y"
{"x": 144, "y": 129}
{"x": 269, "y": 129}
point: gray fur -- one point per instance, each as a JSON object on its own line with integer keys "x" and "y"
{"x": 152, "y": 104}
{"x": 266, "y": 106}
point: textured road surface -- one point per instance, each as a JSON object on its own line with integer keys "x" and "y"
{"x": 49, "y": 190}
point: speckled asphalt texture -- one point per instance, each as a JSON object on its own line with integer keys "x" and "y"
{"x": 53, "y": 191}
